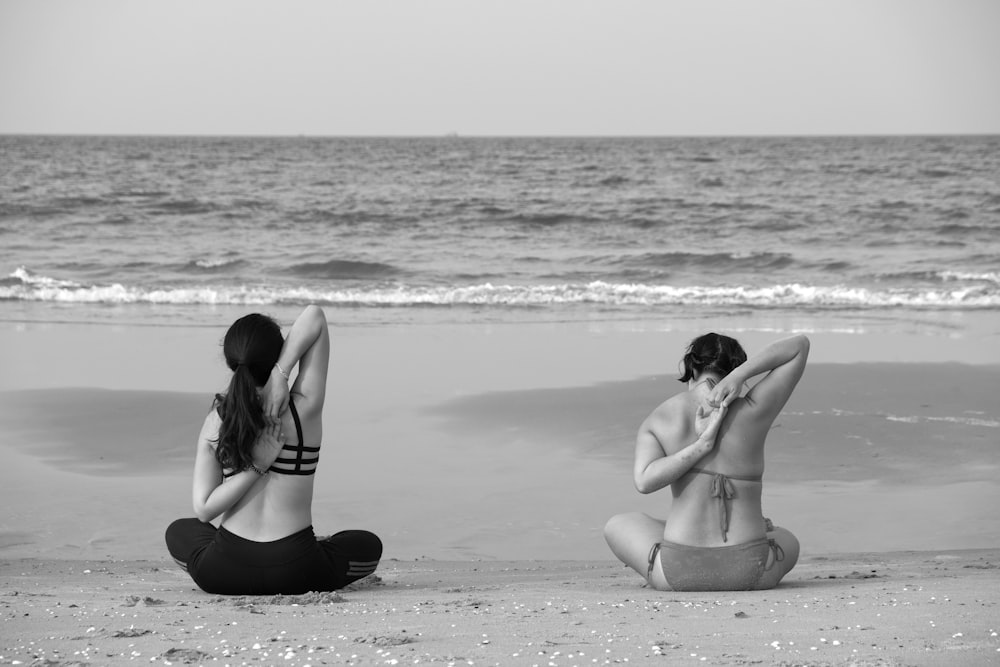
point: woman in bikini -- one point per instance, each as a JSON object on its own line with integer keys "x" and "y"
{"x": 255, "y": 465}
{"x": 707, "y": 444}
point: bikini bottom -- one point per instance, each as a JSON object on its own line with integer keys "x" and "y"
{"x": 737, "y": 567}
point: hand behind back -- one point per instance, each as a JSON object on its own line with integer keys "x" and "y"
{"x": 724, "y": 392}
{"x": 268, "y": 445}
{"x": 707, "y": 421}
{"x": 274, "y": 397}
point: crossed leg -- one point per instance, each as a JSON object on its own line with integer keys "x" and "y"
{"x": 787, "y": 549}
{"x": 632, "y": 536}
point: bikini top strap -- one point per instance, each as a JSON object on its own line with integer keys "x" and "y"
{"x": 300, "y": 450}
{"x": 295, "y": 418}
{"x": 742, "y": 478}
{"x": 723, "y": 490}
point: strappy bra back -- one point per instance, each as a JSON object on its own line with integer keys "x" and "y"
{"x": 294, "y": 459}
{"x": 723, "y": 490}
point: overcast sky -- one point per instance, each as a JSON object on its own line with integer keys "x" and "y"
{"x": 500, "y": 67}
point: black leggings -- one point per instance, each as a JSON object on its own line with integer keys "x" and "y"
{"x": 227, "y": 564}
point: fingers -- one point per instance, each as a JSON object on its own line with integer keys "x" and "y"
{"x": 275, "y": 434}
{"x": 720, "y": 397}
{"x": 273, "y": 410}
{"x": 716, "y": 418}
{"x": 706, "y": 409}
{"x": 723, "y": 394}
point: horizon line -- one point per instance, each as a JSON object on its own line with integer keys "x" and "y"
{"x": 457, "y": 135}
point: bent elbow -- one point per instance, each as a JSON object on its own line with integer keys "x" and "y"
{"x": 642, "y": 486}
{"x": 202, "y": 513}
{"x": 316, "y": 313}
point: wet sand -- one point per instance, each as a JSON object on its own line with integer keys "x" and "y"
{"x": 489, "y": 480}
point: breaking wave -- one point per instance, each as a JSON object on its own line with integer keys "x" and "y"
{"x": 25, "y": 286}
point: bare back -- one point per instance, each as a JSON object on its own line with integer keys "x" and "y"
{"x": 709, "y": 509}
{"x": 277, "y": 505}
{"x": 739, "y": 452}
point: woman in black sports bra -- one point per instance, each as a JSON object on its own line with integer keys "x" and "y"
{"x": 707, "y": 445}
{"x": 255, "y": 466}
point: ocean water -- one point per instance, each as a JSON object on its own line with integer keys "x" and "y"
{"x": 841, "y": 236}
{"x": 177, "y": 229}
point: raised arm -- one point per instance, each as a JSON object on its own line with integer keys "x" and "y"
{"x": 655, "y": 468}
{"x": 307, "y": 346}
{"x": 784, "y": 361}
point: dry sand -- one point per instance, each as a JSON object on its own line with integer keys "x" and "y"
{"x": 903, "y": 608}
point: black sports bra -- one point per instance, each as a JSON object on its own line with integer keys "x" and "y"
{"x": 293, "y": 459}
{"x": 296, "y": 459}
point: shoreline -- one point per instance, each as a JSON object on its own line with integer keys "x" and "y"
{"x": 871, "y": 465}
{"x": 168, "y": 353}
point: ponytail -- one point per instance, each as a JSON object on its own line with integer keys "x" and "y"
{"x": 251, "y": 348}
{"x": 242, "y": 417}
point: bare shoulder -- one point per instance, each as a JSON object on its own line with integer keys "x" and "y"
{"x": 210, "y": 427}
{"x": 677, "y": 404}
{"x": 672, "y": 407}
{"x": 670, "y": 419}
{"x": 212, "y": 419}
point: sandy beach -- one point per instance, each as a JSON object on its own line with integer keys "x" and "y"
{"x": 893, "y": 608}
{"x": 883, "y": 464}
{"x": 516, "y": 217}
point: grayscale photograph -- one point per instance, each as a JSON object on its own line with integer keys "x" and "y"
{"x": 480, "y": 332}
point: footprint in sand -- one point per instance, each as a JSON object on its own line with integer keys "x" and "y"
{"x": 185, "y": 655}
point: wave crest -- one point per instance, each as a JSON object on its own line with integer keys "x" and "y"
{"x": 24, "y": 286}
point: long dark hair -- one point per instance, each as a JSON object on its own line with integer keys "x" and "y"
{"x": 714, "y": 353}
{"x": 251, "y": 348}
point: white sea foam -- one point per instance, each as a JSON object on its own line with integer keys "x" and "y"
{"x": 965, "y": 421}
{"x": 991, "y": 277}
{"x": 214, "y": 263}
{"x": 28, "y": 278}
{"x": 527, "y": 225}
{"x": 29, "y": 287}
